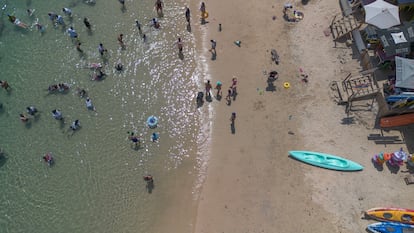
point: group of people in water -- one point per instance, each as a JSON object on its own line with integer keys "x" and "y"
{"x": 58, "y": 19}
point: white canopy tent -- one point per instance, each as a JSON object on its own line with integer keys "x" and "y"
{"x": 404, "y": 72}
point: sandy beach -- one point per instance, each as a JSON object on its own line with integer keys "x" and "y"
{"x": 251, "y": 184}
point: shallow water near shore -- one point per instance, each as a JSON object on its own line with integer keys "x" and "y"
{"x": 96, "y": 182}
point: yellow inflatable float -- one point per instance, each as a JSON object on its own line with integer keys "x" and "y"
{"x": 204, "y": 15}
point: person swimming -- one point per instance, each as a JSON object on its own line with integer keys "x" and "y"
{"x": 155, "y": 137}
{"x": 17, "y": 21}
{"x": 23, "y": 118}
{"x": 119, "y": 66}
{"x": 89, "y": 104}
{"x": 31, "y": 110}
{"x": 48, "y": 158}
{"x": 72, "y": 33}
{"x": 57, "y": 114}
{"x": 75, "y": 125}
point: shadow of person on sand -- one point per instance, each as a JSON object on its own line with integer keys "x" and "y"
{"x": 188, "y": 27}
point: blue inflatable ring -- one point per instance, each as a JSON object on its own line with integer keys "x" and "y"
{"x": 152, "y": 121}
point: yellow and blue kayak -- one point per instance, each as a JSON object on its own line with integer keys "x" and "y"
{"x": 326, "y": 160}
{"x": 391, "y": 215}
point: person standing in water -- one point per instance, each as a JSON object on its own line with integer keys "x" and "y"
{"x": 158, "y": 7}
{"x": 121, "y": 40}
{"x": 87, "y": 23}
{"x": 138, "y": 26}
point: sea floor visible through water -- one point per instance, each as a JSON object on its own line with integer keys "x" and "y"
{"x": 96, "y": 183}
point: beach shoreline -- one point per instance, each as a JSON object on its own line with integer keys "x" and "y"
{"x": 251, "y": 184}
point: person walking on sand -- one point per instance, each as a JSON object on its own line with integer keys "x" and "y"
{"x": 232, "y": 125}
{"x": 202, "y": 8}
{"x": 218, "y": 88}
{"x": 213, "y": 46}
{"x": 208, "y": 89}
{"x": 234, "y": 86}
{"x": 228, "y": 97}
{"x": 203, "y": 13}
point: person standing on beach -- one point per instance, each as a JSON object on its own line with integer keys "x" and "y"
{"x": 202, "y": 8}
{"x": 218, "y": 88}
{"x": 122, "y": 2}
{"x": 234, "y": 87}
{"x": 203, "y": 13}
{"x": 213, "y": 46}
{"x": 232, "y": 125}
{"x": 208, "y": 89}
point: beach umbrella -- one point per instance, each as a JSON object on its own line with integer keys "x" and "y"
{"x": 381, "y": 14}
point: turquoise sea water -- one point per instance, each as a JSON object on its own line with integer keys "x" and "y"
{"x": 96, "y": 182}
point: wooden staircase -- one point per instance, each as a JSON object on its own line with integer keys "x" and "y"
{"x": 343, "y": 26}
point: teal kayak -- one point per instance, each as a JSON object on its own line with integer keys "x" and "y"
{"x": 326, "y": 160}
